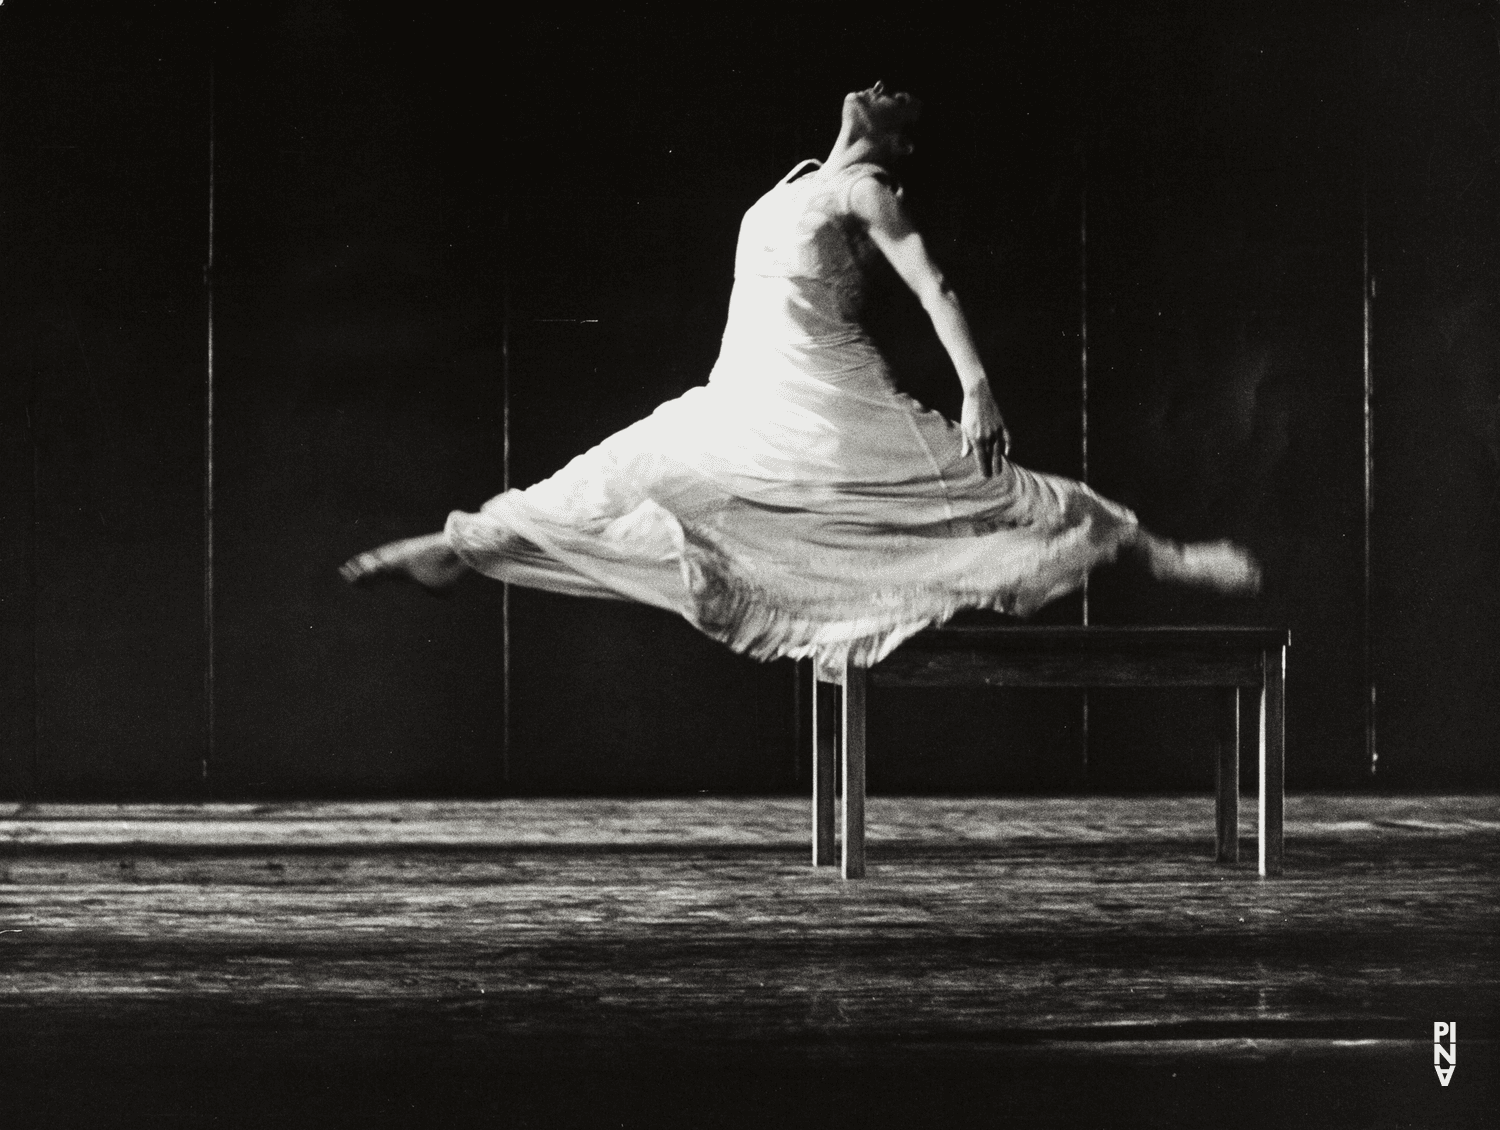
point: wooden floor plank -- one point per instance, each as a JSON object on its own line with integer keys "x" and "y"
{"x": 751, "y": 821}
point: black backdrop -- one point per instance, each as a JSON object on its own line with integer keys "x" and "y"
{"x": 421, "y": 217}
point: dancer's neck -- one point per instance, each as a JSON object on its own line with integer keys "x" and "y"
{"x": 853, "y": 150}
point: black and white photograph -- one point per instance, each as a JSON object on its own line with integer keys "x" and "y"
{"x": 815, "y": 566}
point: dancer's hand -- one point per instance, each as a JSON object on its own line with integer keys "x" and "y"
{"x": 984, "y": 431}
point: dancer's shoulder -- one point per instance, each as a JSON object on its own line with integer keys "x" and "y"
{"x": 866, "y": 176}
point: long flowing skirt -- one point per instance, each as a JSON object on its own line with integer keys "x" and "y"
{"x": 797, "y": 505}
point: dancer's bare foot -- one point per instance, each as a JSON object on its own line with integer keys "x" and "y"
{"x": 1218, "y": 565}
{"x": 426, "y": 561}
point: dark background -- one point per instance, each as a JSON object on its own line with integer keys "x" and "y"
{"x": 421, "y": 216}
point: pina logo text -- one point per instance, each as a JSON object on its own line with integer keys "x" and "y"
{"x": 1440, "y": 1053}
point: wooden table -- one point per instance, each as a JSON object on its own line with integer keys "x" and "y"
{"x": 1239, "y": 661}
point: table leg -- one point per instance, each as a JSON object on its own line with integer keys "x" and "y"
{"x": 825, "y": 745}
{"x": 854, "y": 772}
{"x": 1228, "y": 778}
{"x": 1272, "y": 760}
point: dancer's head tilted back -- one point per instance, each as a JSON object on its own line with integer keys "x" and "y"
{"x": 879, "y": 123}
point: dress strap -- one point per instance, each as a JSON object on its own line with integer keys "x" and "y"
{"x": 801, "y": 166}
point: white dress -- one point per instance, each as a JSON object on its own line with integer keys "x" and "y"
{"x": 797, "y": 505}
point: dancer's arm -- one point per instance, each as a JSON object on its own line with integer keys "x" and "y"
{"x": 892, "y": 231}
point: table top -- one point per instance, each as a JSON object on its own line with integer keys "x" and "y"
{"x": 1027, "y": 637}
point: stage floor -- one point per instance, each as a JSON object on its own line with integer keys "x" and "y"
{"x": 1047, "y": 961}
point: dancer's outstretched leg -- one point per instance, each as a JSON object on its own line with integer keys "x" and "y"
{"x": 1219, "y": 565}
{"x": 426, "y": 561}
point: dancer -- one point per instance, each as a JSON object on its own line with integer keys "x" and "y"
{"x": 798, "y": 504}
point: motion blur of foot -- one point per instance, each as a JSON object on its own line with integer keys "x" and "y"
{"x": 1219, "y": 565}
{"x": 426, "y": 561}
